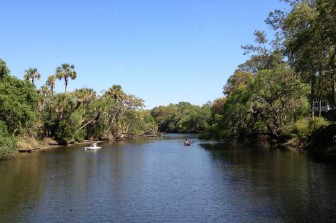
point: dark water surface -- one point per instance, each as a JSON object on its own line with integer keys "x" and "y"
{"x": 160, "y": 180}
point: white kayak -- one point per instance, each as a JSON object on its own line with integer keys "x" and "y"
{"x": 92, "y": 147}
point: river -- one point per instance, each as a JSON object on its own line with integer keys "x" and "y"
{"x": 160, "y": 180}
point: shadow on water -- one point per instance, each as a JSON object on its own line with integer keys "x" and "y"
{"x": 294, "y": 186}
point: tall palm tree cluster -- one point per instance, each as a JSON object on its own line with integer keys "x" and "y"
{"x": 83, "y": 114}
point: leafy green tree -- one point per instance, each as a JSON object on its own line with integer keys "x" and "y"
{"x": 325, "y": 27}
{"x": 4, "y": 71}
{"x": 265, "y": 55}
{"x": 235, "y": 119}
{"x": 181, "y": 117}
{"x": 86, "y": 112}
{"x": 196, "y": 120}
{"x": 7, "y": 142}
{"x": 18, "y": 103}
{"x": 308, "y": 32}
{"x": 278, "y": 99}
{"x": 113, "y": 115}
{"x": 167, "y": 117}
{"x": 300, "y": 43}
{"x": 230, "y": 115}
{"x": 266, "y": 103}
{"x": 143, "y": 124}
{"x": 238, "y": 80}
{"x": 66, "y": 71}
{"x": 123, "y": 109}
{"x": 64, "y": 106}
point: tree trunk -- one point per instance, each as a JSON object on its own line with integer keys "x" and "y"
{"x": 319, "y": 108}
{"x": 312, "y": 94}
{"x": 66, "y": 84}
{"x": 333, "y": 89}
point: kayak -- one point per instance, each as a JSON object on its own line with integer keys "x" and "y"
{"x": 187, "y": 143}
{"x": 92, "y": 147}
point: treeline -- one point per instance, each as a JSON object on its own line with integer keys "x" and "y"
{"x": 273, "y": 93}
{"x": 182, "y": 117}
{"x": 28, "y": 114}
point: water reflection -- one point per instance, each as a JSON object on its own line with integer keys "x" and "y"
{"x": 160, "y": 180}
{"x": 21, "y": 185}
{"x": 288, "y": 185}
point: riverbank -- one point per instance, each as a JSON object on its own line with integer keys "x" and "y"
{"x": 327, "y": 150}
{"x": 301, "y": 145}
{"x": 28, "y": 145}
{"x": 31, "y": 145}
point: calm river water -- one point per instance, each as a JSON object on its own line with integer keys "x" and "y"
{"x": 160, "y": 180}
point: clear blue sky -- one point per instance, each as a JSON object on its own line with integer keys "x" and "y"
{"x": 163, "y": 51}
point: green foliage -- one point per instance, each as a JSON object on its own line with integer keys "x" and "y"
{"x": 215, "y": 131}
{"x": 239, "y": 80}
{"x": 275, "y": 100}
{"x": 142, "y": 123}
{"x": 4, "y": 71}
{"x": 308, "y": 33}
{"x": 317, "y": 123}
{"x": 182, "y": 117}
{"x": 266, "y": 103}
{"x": 66, "y": 117}
{"x": 300, "y": 129}
{"x": 65, "y": 132}
{"x": 265, "y": 57}
{"x": 304, "y": 128}
{"x": 18, "y": 103}
{"x": 278, "y": 99}
{"x": 230, "y": 116}
{"x": 7, "y": 142}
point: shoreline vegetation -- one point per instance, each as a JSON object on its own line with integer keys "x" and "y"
{"x": 286, "y": 89}
{"x": 33, "y": 118}
{"x": 32, "y": 145}
{"x": 285, "y": 92}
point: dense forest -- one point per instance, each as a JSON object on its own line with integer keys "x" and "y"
{"x": 277, "y": 93}
{"x": 182, "y": 117}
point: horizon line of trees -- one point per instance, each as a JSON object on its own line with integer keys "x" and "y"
{"x": 181, "y": 118}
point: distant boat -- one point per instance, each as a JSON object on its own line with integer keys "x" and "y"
{"x": 187, "y": 143}
{"x": 93, "y": 147}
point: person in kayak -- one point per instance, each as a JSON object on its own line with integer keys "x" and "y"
{"x": 187, "y": 142}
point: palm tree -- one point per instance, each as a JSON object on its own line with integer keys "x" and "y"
{"x": 51, "y": 82}
{"x": 116, "y": 93}
{"x": 66, "y": 71}
{"x": 85, "y": 95}
{"x": 45, "y": 96}
{"x": 31, "y": 74}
